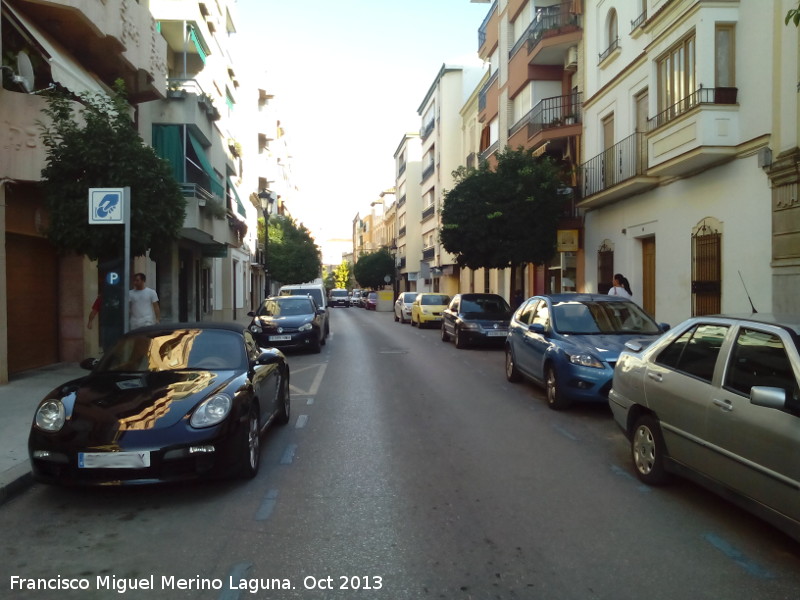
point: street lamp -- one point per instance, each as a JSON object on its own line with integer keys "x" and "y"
{"x": 267, "y": 199}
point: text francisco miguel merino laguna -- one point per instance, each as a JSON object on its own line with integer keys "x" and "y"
{"x": 167, "y": 582}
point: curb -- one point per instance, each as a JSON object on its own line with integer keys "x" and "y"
{"x": 14, "y": 481}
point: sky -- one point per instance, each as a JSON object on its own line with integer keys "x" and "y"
{"x": 348, "y": 77}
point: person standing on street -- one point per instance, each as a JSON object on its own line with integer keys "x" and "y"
{"x": 143, "y": 303}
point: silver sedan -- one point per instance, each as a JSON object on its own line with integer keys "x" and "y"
{"x": 717, "y": 400}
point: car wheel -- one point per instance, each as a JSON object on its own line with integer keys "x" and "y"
{"x": 250, "y": 453}
{"x": 396, "y": 318}
{"x": 512, "y": 374}
{"x": 402, "y": 319}
{"x": 316, "y": 346}
{"x": 649, "y": 451}
{"x": 413, "y": 324}
{"x": 555, "y": 397}
{"x": 461, "y": 343}
{"x": 445, "y": 335}
{"x": 286, "y": 402}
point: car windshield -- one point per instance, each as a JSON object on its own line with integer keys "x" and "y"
{"x": 601, "y": 317}
{"x": 409, "y": 298}
{"x": 339, "y": 293}
{"x": 372, "y": 296}
{"x": 286, "y": 307}
{"x": 434, "y": 299}
{"x": 175, "y": 350}
{"x": 485, "y": 307}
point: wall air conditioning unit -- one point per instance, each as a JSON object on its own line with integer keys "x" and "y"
{"x": 571, "y": 59}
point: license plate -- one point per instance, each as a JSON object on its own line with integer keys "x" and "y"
{"x": 280, "y": 338}
{"x": 499, "y": 333}
{"x": 114, "y": 460}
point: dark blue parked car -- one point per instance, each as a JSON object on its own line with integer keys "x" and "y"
{"x": 569, "y": 343}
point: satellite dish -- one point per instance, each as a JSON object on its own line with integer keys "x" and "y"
{"x": 24, "y": 74}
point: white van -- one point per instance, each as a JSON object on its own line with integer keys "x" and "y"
{"x": 315, "y": 290}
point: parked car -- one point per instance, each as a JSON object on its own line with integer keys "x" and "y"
{"x": 476, "y": 319}
{"x": 167, "y": 402}
{"x": 717, "y": 399}
{"x": 427, "y": 308}
{"x": 289, "y": 322}
{"x": 355, "y": 298}
{"x": 372, "y": 301}
{"x": 339, "y": 297}
{"x": 569, "y": 343}
{"x": 402, "y": 306}
{"x": 316, "y": 291}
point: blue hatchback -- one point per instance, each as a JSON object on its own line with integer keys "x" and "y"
{"x": 569, "y": 343}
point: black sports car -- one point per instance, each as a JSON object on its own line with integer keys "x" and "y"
{"x": 289, "y": 322}
{"x": 167, "y": 402}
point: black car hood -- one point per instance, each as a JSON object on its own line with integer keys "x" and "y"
{"x": 119, "y": 402}
{"x": 291, "y": 321}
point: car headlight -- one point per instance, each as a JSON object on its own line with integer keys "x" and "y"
{"x": 468, "y": 325}
{"x": 305, "y": 327}
{"x": 585, "y": 360}
{"x": 211, "y": 411}
{"x": 50, "y": 416}
{"x": 255, "y": 328}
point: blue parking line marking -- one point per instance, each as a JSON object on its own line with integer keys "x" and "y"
{"x": 288, "y": 454}
{"x": 267, "y": 506}
{"x": 237, "y": 572}
{"x": 301, "y": 421}
{"x": 565, "y": 433}
{"x": 736, "y": 556}
{"x": 623, "y": 473}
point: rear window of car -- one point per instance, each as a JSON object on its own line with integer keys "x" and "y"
{"x": 409, "y": 297}
{"x": 434, "y": 299}
{"x": 695, "y": 351}
{"x": 339, "y": 293}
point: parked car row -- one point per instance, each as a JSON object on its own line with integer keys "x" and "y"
{"x": 715, "y": 399}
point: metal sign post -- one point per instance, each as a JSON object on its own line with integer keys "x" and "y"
{"x": 112, "y": 206}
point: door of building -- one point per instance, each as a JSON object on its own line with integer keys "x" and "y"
{"x": 649, "y": 275}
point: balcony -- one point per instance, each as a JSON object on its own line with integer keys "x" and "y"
{"x": 205, "y": 221}
{"x": 485, "y": 33}
{"x": 552, "y": 118}
{"x": 429, "y": 253}
{"x": 554, "y": 30}
{"x": 700, "y": 130}
{"x": 428, "y": 212}
{"x": 616, "y": 173}
{"x": 485, "y": 154}
{"x": 427, "y": 172}
{"x": 427, "y": 130}
{"x": 402, "y": 231}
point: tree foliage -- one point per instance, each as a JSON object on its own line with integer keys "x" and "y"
{"x": 503, "y": 217}
{"x": 371, "y": 269}
{"x": 342, "y": 275}
{"x": 293, "y": 254}
{"x": 793, "y": 16}
{"x": 97, "y": 146}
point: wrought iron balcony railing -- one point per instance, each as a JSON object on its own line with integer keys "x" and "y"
{"x": 621, "y": 162}
{"x": 551, "y": 112}
{"x": 701, "y": 96}
{"x": 428, "y": 212}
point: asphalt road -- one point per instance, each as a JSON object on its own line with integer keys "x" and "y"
{"x": 409, "y": 470}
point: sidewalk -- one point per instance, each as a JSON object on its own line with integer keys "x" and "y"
{"x": 18, "y": 401}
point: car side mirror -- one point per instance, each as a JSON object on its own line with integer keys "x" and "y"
{"x": 267, "y": 358}
{"x": 768, "y": 397}
{"x": 663, "y": 327}
{"x": 536, "y": 328}
{"x": 633, "y": 346}
{"x": 89, "y": 363}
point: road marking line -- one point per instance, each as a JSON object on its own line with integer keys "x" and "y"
{"x": 288, "y": 454}
{"x": 736, "y": 556}
{"x": 301, "y": 421}
{"x": 623, "y": 473}
{"x": 267, "y": 506}
{"x": 237, "y": 572}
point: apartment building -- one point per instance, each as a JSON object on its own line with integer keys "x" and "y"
{"x": 440, "y": 135}
{"x": 408, "y": 161}
{"x": 685, "y": 104}
{"x": 83, "y": 46}
{"x": 533, "y": 99}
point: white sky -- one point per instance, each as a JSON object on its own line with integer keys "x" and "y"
{"x": 349, "y": 76}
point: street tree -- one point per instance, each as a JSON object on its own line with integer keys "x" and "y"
{"x": 503, "y": 217}
{"x": 293, "y": 255}
{"x": 342, "y": 275}
{"x": 371, "y": 269}
{"x": 94, "y": 144}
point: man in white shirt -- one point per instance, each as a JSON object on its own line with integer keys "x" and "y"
{"x": 143, "y": 303}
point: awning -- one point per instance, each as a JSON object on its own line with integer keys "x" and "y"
{"x": 63, "y": 68}
{"x": 239, "y": 206}
{"x": 216, "y": 186}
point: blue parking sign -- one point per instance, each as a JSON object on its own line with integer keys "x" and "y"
{"x": 106, "y": 206}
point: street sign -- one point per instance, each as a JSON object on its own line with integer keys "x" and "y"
{"x": 106, "y": 206}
